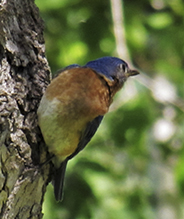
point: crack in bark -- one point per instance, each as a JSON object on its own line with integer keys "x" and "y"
{"x": 24, "y": 75}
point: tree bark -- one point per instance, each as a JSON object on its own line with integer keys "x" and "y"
{"x": 24, "y": 74}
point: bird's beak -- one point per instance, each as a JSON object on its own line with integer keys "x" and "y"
{"x": 132, "y": 72}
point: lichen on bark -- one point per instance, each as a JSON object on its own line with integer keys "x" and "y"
{"x": 24, "y": 75}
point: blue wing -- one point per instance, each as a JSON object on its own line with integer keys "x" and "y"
{"x": 88, "y": 134}
{"x": 66, "y": 68}
{"x": 60, "y": 172}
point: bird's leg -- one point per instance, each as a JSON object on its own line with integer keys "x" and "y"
{"x": 47, "y": 161}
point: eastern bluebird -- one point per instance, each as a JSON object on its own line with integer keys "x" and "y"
{"x": 73, "y": 107}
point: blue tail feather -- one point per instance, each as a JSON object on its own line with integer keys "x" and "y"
{"x": 58, "y": 181}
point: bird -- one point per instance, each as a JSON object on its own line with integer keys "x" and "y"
{"x": 73, "y": 106}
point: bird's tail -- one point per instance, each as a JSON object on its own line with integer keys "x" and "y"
{"x": 58, "y": 181}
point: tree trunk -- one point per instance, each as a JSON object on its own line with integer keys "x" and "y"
{"x": 24, "y": 74}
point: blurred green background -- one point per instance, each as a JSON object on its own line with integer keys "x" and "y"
{"x": 134, "y": 166}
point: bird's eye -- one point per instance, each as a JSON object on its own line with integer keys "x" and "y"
{"x": 123, "y": 67}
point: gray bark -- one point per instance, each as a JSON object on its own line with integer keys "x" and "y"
{"x": 24, "y": 74}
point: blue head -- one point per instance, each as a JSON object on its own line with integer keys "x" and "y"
{"x": 112, "y": 68}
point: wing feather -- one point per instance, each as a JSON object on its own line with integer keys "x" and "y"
{"x": 58, "y": 181}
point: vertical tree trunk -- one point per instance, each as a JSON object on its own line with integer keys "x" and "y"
{"x": 24, "y": 74}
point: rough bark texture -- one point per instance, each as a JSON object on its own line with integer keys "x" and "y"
{"x": 24, "y": 74}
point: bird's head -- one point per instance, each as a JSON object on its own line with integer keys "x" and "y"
{"x": 112, "y": 68}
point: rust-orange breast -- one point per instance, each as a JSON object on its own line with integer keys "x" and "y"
{"x": 82, "y": 91}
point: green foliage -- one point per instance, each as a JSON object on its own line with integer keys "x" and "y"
{"x": 134, "y": 166}
{"x": 68, "y": 26}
